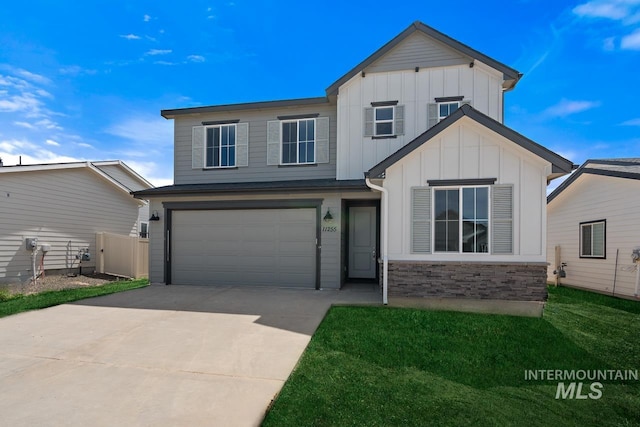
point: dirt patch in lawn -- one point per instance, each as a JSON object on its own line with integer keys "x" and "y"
{"x": 56, "y": 282}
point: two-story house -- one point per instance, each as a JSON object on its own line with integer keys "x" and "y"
{"x": 403, "y": 173}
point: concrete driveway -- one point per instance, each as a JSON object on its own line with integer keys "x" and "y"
{"x": 161, "y": 355}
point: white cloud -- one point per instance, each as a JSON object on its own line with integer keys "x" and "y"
{"x": 52, "y": 142}
{"x": 632, "y": 41}
{"x": 48, "y": 124}
{"x": 626, "y": 11}
{"x": 144, "y": 129}
{"x": 632, "y": 122}
{"x": 76, "y": 70}
{"x": 568, "y": 107}
{"x": 25, "y": 102}
{"x": 25, "y": 125}
{"x": 154, "y": 52}
{"x": 36, "y": 78}
{"x": 130, "y": 37}
{"x": 84, "y": 145}
{"x": 13, "y": 151}
{"x": 149, "y": 171}
{"x": 608, "y": 44}
{"x": 164, "y": 63}
{"x": 196, "y": 58}
{"x": 146, "y": 18}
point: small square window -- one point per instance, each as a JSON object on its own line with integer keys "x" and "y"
{"x": 383, "y": 121}
{"x": 446, "y": 108}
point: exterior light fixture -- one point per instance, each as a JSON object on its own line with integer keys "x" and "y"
{"x": 154, "y": 216}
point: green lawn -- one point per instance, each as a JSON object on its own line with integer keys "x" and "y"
{"x": 16, "y": 304}
{"x": 375, "y": 366}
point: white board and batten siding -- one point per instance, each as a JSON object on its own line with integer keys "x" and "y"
{"x": 480, "y": 86}
{"x": 592, "y": 198}
{"x": 467, "y": 150}
{"x": 64, "y": 208}
{"x": 257, "y": 168}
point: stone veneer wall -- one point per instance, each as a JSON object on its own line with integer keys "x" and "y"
{"x": 505, "y": 281}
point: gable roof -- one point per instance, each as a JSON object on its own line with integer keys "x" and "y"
{"x": 510, "y": 75}
{"x": 97, "y": 168}
{"x": 628, "y": 168}
{"x": 560, "y": 165}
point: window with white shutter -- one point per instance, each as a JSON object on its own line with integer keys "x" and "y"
{"x": 298, "y": 141}
{"x": 220, "y": 146}
{"x": 384, "y": 120}
{"x": 461, "y": 219}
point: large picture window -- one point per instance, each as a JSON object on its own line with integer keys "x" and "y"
{"x": 298, "y": 141}
{"x": 461, "y": 220}
{"x": 592, "y": 239}
{"x": 220, "y": 146}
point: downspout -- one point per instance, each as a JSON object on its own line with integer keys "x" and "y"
{"x": 385, "y": 234}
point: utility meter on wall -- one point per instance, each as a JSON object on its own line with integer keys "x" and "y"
{"x": 635, "y": 254}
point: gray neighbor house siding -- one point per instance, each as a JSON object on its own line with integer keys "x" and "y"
{"x": 258, "y": 170}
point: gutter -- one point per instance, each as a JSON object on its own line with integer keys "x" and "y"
{"x": 385, "y": 237}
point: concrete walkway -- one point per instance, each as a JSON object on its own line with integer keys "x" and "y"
{"x": 161, "y": 356}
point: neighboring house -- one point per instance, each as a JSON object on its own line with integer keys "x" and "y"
{"x": 593, "y": 219}
{"x": 64, "y": 205}
{"x": 274, "y": 193}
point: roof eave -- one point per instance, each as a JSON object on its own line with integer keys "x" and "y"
{"x": 173, "y": 113}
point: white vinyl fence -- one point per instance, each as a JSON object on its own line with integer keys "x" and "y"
{"x": 126, "y": 256}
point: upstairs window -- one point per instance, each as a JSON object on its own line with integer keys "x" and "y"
{"x": 443, "y": 108}
{"x": 220, "y": 147}
{"x": 446, "y": 108}
{"x": 592, "y": 239}
{"x": 298, "y": 141}
{"x": 384, "y": 120}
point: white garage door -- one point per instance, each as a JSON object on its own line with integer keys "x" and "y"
{"x": 275, "y": 247}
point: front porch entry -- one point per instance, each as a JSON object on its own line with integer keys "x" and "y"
{"x": 361, "y": 257}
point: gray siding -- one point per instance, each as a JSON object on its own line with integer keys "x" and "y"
{"x": 417, "y": 51}
{"x": 64, "y": 208}
{"x": 257, "y": 169}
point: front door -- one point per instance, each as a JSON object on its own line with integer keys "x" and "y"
{"x": 362, "y": 242}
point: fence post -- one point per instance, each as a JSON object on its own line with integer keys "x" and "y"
{"x": 100, "y": 252}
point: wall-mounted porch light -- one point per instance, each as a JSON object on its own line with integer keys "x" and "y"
{"x": 154, "y": 216}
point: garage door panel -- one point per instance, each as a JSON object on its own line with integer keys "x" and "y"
{"x": 252, "y": 247}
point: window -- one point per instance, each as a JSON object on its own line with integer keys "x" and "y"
{"x": 220, "y": 146}
{"x": 471, "y": 234}
{"x": 298, "y": 141}
{"x": 592, "y": 239}
{"x": 383, "y": 121}
{"x": 446, "y": 108}
{"x": 144, "y": 229}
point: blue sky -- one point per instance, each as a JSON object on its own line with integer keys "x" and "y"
{"x": 87, "y": 80}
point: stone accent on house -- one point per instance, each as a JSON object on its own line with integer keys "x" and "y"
{"x": 498, "y": 281}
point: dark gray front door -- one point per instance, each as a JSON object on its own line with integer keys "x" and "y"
{"x": 362, "y": 242}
